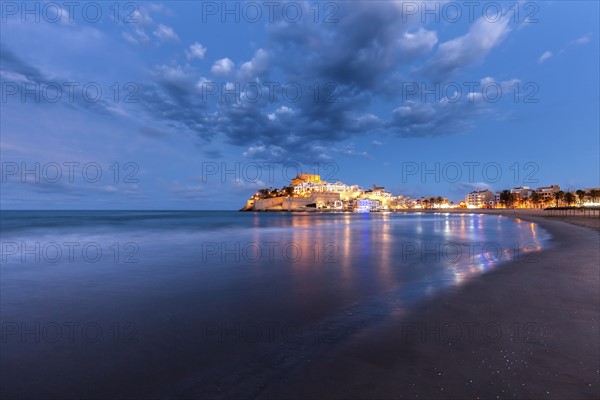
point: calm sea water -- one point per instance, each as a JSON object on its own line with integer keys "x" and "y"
{"x": 165, "y": 304}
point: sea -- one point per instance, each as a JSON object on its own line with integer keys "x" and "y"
{"x": 166, "y": 304}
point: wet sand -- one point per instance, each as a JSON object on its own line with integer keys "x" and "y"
{"x": 527, "y": 330}
{"x": 588, "y": 221}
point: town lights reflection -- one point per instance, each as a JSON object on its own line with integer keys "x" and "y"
{"x": 376, "y": 251}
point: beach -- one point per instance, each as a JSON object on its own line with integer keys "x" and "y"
{"x": 526, "y": 330}
{"x": 587, "y": 221}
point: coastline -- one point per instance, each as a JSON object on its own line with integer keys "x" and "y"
{"x": 527, "y": 331}
{"x": 524, "y": 213}
{"x": 533, "y": 215}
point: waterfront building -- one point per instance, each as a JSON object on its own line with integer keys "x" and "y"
{"x": 480, "y": 198}
{"x": 546, "y": 193}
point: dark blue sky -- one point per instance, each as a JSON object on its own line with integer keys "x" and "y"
{"x": 188, "y": 105}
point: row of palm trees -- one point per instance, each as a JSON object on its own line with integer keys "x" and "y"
{"x": 431, "y": 202}
{"x": 568, "y": 198}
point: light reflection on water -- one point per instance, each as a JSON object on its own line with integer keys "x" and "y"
{"x": 346, "y": 255}
{"x": 346, "y": 270}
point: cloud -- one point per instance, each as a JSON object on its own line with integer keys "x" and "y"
{"x": 213, "y": 153}
{"x": 418, "y": 43}
{"x": 582, "y": 40}
{"x": 166, "y": 34}
{"x": 546, "y": 55}
{"x": 142, "y": 16}
{"x": 349, "y": 151}
{"x": 577, "y": 42}
{"x": 62, "y": 190}
{"x": 13, "y": 66}
{"x": 189, "y": 192}
{"x": 15, "y": 69}
{"x": 136, "y": 36}
{"x": 257, "y": 66}
{"x": 174, "y": 97}
{"x": 467, "y": 187}
{"x": 141, "y": 23}
{"x": 280, "y": 113}
{"x": 151, "y": 132}
{"x": 196, "y": 50}
{"x": 419, "y": 119}
{"x": 243, "y": 186}
{"x": 363, "y": 50}
{"x": 469, "y": 49}
{"x": 264, "y": 152}
{"x": 224, "y": 66}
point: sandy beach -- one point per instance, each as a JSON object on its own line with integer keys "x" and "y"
{"x": 526, "y": 330}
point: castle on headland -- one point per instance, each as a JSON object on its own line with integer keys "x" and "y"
{"x": 308, "y": 192}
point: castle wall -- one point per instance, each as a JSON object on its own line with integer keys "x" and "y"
{"x": 268, "y": 204}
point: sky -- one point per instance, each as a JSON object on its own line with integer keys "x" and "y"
{"x": 197, "y": 105}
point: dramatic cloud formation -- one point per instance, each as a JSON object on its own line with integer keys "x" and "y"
{"x": 313, "y": 84}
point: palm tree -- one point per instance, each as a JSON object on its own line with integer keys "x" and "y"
{"x": 506, "y": 198}
{"x": 535, "y": 199}
{"x": 581, "y": 196}
{"x": 569, "y": 198}
{"x": 594, "y": 194}
{"x": 559, "y": 196}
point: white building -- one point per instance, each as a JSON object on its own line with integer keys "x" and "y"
{"x": 480, "y": 198}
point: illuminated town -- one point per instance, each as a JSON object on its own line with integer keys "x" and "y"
{"x": 307, "y": 192}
